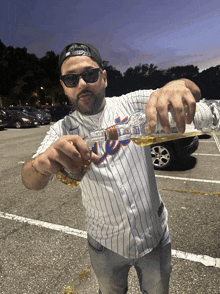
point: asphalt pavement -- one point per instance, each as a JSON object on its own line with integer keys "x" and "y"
{"x": 43, "y": 246}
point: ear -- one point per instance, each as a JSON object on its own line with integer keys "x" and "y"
{"x": 104, "y": 74}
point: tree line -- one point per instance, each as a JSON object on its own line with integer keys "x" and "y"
{"x": 27, "y": 79}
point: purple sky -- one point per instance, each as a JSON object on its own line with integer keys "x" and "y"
{"x": 165, "y": 33}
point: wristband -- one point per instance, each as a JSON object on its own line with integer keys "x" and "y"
{"x": 32, "y": 165}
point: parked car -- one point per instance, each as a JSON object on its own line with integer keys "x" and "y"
{"x": 58, "y": 112}
{"x": 18, "y": 119}
{"x": 166, "y": 153}
{"x": 42, "y": 116}
{"x": 3, "y": 119}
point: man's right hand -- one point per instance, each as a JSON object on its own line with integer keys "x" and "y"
{"x": 67, "y": 152}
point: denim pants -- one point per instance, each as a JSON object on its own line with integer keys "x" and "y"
{"x": 111, "y": 269}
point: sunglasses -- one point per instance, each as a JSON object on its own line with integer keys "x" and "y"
{"x": 89, "y": 76}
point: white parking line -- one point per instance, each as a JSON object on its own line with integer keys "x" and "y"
{"x": 38, "y": 223}
{"x": 188, "y": 179}
{"x": 204, "y": 259}
{"x": 204, "y": 154}
{"x": 206, "y": 142}
{"x": 217, "y": 142}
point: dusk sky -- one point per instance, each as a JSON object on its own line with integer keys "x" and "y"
{"x": 165, "y": 33}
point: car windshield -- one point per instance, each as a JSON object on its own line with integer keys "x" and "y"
{"x": 18, "y": 112}
{"x": 31, "y": 109}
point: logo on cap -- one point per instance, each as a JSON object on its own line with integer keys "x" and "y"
{"x": 78, "y": 50}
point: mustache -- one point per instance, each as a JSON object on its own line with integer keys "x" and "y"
{"x": 84, "y": 92}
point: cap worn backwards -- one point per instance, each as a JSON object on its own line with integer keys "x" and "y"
{"x": 80, "y": 49}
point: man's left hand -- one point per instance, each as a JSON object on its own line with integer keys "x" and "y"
{"x": 173, "y": 96}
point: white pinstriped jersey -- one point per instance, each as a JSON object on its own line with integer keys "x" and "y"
{"x": 125, "y": 212}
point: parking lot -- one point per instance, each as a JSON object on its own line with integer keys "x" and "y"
{"x": 43, "y": 233}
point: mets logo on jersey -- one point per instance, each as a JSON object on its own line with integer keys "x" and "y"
{"x": 111, "y": 146}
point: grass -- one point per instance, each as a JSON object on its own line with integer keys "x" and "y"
{"x": 82, "y": 276}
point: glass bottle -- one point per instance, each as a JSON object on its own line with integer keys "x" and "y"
{"x": 206, "y": 120}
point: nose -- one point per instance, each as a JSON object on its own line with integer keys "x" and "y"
{"x": 82, "y": 83}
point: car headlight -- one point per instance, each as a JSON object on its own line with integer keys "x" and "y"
{"x": 25, "y": 119}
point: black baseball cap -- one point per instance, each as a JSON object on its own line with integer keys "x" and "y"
{"x": 80, "y": 49}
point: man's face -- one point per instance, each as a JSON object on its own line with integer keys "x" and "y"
{"x": 87, "y": 98}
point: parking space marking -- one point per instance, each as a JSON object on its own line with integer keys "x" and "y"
{"x": 47, "y": 225}
{"x": 206, "y": 142}
{"x": 204, "y": 154}
{"x": 204, "y": 259}
{"x": 217, "y": 142}
{"x": 188, "y": 179}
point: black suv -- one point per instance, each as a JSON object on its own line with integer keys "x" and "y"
{"x": 60, "y": 111}
{"x": 166, "y": 153}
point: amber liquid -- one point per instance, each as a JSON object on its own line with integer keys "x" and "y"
{"x": 68, "y": 181}
{"x": 84, "y": 166}
{"x": 144, "y": 141}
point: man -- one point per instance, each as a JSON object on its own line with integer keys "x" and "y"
{"x": 127, "y": 220}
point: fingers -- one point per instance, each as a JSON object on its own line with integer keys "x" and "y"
{"x": 73, "y": 146}
{"x": 177, "y": 110}
{"x": 157, "y": 109}
{"x": 81, "y": 151}
{"x": 191, "y": 108}
{"x": 174, "y": 97}
{"x": 183, "y": 109}
{"x": 45, "y": 165}
{"x": 68, "y": 151}
{"x": 94, "y": 157}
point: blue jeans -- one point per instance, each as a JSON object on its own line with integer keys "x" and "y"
{"x": 111, "y": 269}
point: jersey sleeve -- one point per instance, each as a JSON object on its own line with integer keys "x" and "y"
{"x": 51, "y": 136}
{"x": 135, "y": 101}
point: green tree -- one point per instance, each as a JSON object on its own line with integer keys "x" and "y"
{"x": 48, "y": 78}
{"x": 114, "y": 78}
{"x": 209, "y": 82}
{"x": 178, "y": 72}
{"x": 138, "y": 77}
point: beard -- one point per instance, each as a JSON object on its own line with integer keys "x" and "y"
{"x": 95, "y": 107}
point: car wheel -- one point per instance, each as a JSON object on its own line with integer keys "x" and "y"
{"x": 17, "y": 124}
{"x": 162, "y": 156}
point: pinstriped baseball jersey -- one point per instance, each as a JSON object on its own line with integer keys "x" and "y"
{"x": 124, "y": 210}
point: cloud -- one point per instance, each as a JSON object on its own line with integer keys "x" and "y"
{"x": 203, "y": 60}
{"x": 41, "y": 47}
{"x": 118, "y": 58}
{"x": 122, "y": 61}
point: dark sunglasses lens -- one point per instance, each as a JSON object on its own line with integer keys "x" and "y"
{"x": 71, "y": 80}
{"x": 91, "y": 76}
